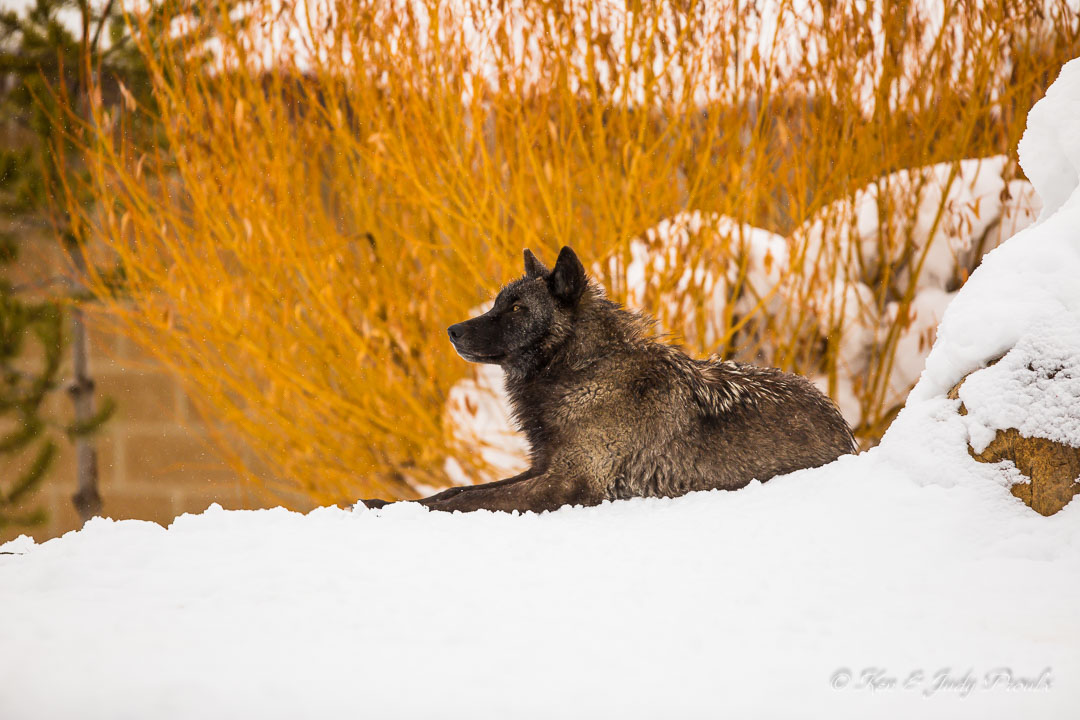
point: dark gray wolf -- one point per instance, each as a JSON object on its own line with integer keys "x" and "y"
{"x": 612, "y": 413}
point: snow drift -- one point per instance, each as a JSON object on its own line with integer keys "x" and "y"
{"x": 903, "y": 582}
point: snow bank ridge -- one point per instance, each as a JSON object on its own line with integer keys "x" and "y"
{"x": 1029, "y": 281}
{"x": 1050, "y": 147}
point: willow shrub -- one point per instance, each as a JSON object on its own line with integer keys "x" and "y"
{"x": 351, "y": 177}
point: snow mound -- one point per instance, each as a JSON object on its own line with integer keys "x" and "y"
{"x": 1050, "y": 147}
{"x": 1033, "y": 277}
{"x": 950, "y": 210}
{"x": 752, "y": 603}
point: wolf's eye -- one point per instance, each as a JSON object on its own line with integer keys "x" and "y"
{"x": 517, "y": 307}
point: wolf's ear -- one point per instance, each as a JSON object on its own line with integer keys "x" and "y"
{"x": 567, "y": 280}
{"x": 533, "y": 267}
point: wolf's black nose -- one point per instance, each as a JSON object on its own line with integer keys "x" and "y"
{"x": 455, "y": 331}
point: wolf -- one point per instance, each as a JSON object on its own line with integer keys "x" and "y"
{"x": 611, "y": 412}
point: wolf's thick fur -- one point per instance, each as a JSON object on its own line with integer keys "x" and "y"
{"x": 612, "y": 413}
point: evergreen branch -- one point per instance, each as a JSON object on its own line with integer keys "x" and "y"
{"x": 34, "y": 517}
{"x": 33, "y": 474}
{"x": 23, "y": 436}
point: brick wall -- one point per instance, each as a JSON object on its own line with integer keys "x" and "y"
{"x": 155, "y": 461}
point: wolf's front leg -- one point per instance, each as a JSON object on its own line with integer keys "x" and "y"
{"x": 373, "y": 504}
{"x": 457, "y": 490}
{"x": 543, "y": 491}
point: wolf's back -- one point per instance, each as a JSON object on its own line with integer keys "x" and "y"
{"x": 771, "y": 422}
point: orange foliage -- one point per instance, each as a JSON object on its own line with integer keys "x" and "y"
{"x": 350, "y": 179}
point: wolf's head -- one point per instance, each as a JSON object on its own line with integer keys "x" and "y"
{"x": 530, "y": 316}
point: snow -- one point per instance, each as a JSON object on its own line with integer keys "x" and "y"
{"x": 1050, "y": 147}
{"x": 720, "y": 51}
{"x": 1035, "y": 388}
{"x": 479, "y": 414}
{"x": 1033, "y": 276}
{"x": 903, "y": 582}
{"x": 746, "y": 603}
{"x": 946, "y": 208}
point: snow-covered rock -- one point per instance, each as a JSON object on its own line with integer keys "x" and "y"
{"x": 1025, "y": 414}
{"x": 1035, "y": 388}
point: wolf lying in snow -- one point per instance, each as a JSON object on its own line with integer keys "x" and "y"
{"x": 612, "y": 413}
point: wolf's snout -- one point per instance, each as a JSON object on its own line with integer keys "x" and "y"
{"x": 455, "y": 331}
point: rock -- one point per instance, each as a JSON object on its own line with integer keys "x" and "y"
{"x": 1052, "y": 467}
